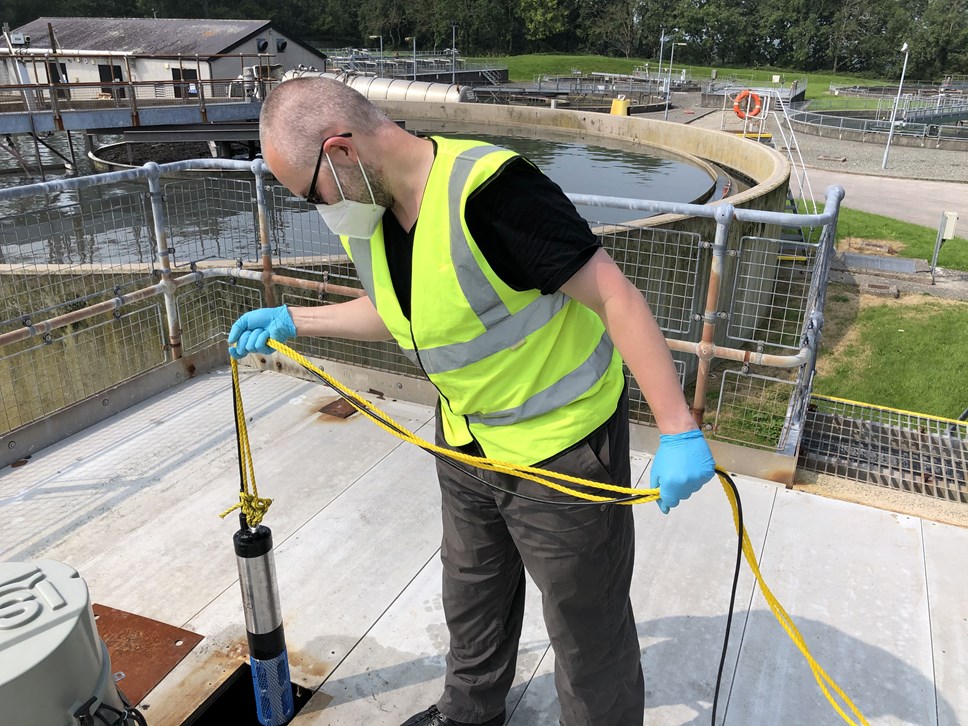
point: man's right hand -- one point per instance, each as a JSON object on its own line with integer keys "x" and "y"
{"x": 252, "y": 331}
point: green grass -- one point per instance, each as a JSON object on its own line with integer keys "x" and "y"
{"x": 524, "y": 68}
{"x": 913, "y": 240}
{"x": 896, "y": 354}
{"x": 846, "y": 103}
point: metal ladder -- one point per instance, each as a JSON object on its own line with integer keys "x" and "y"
{"x": 493, "y": 78}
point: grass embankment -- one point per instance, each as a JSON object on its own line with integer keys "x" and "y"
{"x": 907, "y": 353}
{"x": 524, "y": 68}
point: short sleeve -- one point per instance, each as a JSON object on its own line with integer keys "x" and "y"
{"x": 528, "y": 230}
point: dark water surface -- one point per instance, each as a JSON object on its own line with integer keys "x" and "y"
{"x": 111, "y": 225}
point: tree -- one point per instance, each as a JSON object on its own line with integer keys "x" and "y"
{"x": 542, "y": 18}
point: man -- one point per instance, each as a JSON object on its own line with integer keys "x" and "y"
{"x": 486, "y": 276}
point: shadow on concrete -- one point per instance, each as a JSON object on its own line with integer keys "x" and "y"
{"x": 773, "y": 683}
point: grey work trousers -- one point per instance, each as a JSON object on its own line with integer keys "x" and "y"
{"x": 581, "y": 559}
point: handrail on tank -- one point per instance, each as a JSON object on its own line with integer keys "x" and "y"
{"x": 723, "y": 214}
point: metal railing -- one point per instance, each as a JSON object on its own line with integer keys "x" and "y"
{"x": 882, "y": 106}
{"x": 878, "y": 126}
{"x": 402, "y": 63}
{"x": 886, "y": 90}
{"x": 135, "y": 271}
{"x": 99, "y": 95}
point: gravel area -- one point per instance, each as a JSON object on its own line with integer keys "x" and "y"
{"x": 864, "y": 158}
{"x": 861, "y": 158}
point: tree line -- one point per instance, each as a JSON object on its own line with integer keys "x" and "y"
{"x": 844, "y": 36}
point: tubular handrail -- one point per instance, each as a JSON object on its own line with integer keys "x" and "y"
{"x": 168, "y": 279}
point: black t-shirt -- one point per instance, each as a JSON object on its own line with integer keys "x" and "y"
{"x": 527, "y": 229}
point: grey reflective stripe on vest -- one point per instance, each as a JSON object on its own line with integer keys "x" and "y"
{"x": 508, "y": 332}
{"x": 559, "y": 394}
{"x": 480, "y": 294}
{"x": 362, "y": 253}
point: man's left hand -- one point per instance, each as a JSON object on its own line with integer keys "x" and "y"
{"x": 682, "y": 464}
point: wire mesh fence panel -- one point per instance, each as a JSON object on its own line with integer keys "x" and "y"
{"x": 377, "y": 355}
{"x": 752, "y": 409}
{"x": 58, "y": 259}
{"x": 897, "y": 449}
{"x": 664, "y": 265}
{"x": 211, "y": 219}
{"x": 770, "y": 291}
{"x": 639, "y": 410}
{"x": 207, "y": 311}
{"x": 299, "y": 238}
{"x": 77, "y": 362}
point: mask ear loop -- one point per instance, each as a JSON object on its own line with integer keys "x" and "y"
{"x": 340, "y": 186}
{"x": 335, "y": 177}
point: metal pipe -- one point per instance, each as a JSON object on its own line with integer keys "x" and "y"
{"x": 115, "y": 177}
{"x": 724, "y": 217}
{"x": 322, "y": 288}
{"x": 710, "y": 351}
{"x": 135, "y": 118}
{"x": 258, "y": 169}
{"x": 200, "y": 90}
{"x": 890, "y": 131}
{"x": 164, "y": 262}
{"x": 42, "y": 328}
{"x": 699, "y": 210}
{"x": 31, "y": 330}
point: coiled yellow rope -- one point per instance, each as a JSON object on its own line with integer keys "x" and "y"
{"x": 253, "y": 506}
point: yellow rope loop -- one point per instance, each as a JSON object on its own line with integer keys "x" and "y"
{"x": 258, "y": 506}
{"x": 531, "y": 473}
{"x": 253, "y": 507}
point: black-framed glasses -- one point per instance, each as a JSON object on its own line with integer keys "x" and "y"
{"x": 312, "y": 196}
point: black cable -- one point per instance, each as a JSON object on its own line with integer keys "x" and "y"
{"x": 732, "y": 595}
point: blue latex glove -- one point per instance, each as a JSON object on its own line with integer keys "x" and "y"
{"x": 251, "y": 332}
{"x": 682, "y": 464}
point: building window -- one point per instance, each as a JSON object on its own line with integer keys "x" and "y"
{"x": 111, "y": 74}
{"x": 188, "y": 89}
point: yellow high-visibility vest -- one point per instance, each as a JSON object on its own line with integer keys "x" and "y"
{"x": 526, "y": 375}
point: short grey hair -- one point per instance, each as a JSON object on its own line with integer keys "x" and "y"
{"x": 299, "y": 113}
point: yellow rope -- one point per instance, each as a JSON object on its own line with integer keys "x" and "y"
{"x": 786, "y": 622}
{"x": 524, "y": 472}
{"x": 252, "y": 505}
{"x": 534, "y": 474}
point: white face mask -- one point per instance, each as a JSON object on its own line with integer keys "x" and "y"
{"x": 348, "y": 218}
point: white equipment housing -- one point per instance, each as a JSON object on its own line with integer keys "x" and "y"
{"x": 52, "y": 661}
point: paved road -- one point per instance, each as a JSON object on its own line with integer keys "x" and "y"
{"x": 921, "y": 202}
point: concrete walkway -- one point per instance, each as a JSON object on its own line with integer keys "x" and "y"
{"x": 132, "y": 504}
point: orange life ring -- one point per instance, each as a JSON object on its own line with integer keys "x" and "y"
{"x": 757, "y": 104}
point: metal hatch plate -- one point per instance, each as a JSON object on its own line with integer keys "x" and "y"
{"x": 141, "y": 649}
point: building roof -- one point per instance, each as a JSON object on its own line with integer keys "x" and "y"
{"x": 144, "y": 36}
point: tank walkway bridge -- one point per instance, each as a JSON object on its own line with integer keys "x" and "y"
{"x": 40, "y": 109}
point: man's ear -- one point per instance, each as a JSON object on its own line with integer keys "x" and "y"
{"x": 338, "y": 147}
